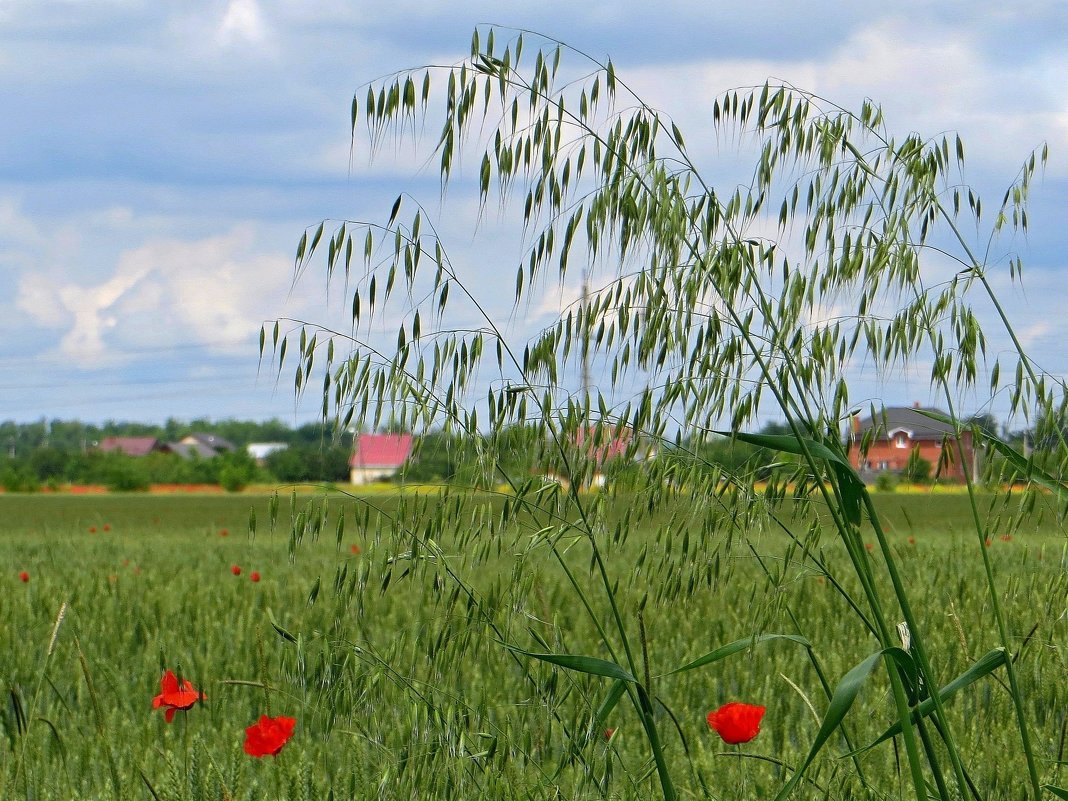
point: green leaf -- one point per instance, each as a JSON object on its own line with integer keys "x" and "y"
{"x": 1060, "y": 792}
{"x": 841, "y": 700}
{"x": 787, "y": 443}
{"x": 736, "y": 647}
{"x": 619, "y": 689}
{"x": 849, "y": 483}
{"x": 583, "y": 664}
{"x": 285, "y": 635}
{"x": 600, "y": 718}
{"x": 984, "y": 666}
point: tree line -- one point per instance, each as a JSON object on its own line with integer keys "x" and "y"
{"x": 52, "y": 453}
{"x": 58, "y": 452}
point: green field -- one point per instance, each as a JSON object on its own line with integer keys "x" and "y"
{"x": 404, "y": 691}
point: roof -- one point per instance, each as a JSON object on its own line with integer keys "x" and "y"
{"x": 909, "y": 419}
{"x": 381, "y": 450}
{"x": 189, "y": 450}
{"x": 131, "y": 446}
{"x": 213, "y": 441}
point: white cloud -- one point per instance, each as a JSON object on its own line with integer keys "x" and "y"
{"x": 242, "y": 22}
{"x": 928, "y": 79}
{"x": 170, "y": 292}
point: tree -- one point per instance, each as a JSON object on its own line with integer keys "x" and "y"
{"x": 706, "y": 308}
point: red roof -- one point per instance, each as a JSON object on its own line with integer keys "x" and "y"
{"x": 131, "y": 446}
{"x": 381, "y": 450}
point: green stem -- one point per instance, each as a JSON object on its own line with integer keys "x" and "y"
{"x": 995, "y": 603}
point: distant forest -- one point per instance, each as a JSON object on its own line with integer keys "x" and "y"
{"x": 57, "y": 453}
{"x": 52, "y": 453}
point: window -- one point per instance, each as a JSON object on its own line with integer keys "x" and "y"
{"x": 901, "y": 440}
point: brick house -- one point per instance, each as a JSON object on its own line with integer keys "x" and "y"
{"x": 378, "y": 457}
{"x": 901, "y": 430}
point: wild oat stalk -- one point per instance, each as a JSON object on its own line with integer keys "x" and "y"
{"x": 705, "y": 307}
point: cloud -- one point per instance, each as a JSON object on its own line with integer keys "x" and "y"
{"x": 1000, "y": 109}
{"x": 166, "y": 293}
{"x": 242, "y": 22}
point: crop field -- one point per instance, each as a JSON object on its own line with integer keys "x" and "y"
{"x": 399, "y": 680}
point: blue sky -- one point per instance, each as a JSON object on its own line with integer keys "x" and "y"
{"x": 159, "y": 161}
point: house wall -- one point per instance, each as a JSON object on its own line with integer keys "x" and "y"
{"x": 892, "y": 456}
{"x": 369, "y": 475}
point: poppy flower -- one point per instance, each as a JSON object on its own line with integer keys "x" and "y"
{"x": 608, "y": 733}
{"x": 869, "y": 546}
{"x": 355, "y": 548}
{"x": 236, "y": 570}
{"x": 254, "y": 575}
{"x": 24, "y": 577}
{"x": 987, "y": 542}
{"x": 736, "y": 722}
{"x": 107, "y": 527}
{"x": 174, "y": 697}
{"x": 224, "y": 533}
{"x": 1006, "y": 537}
{"x": 92, "y": 529}
{"x": 268, "y": 735}
{"x": 912, "y": 540}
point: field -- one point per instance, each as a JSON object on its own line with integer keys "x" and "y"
{"x": 401, "y": 687}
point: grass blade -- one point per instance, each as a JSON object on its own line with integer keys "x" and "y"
{"x": 984, "y": 666}
{"x": 841, "y": 700}
{"x": 736, "y": 647}
{"x": 583, "y": 664}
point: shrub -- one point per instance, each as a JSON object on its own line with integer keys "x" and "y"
{"x": 885, "y": 482}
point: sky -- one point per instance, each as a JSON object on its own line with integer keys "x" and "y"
{"x": 160, "y": 160}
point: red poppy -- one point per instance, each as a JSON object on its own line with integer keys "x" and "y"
{"x": 912, "y": 540}
{"x": 224, "y": 533}
{"x": 987, "y": 542}
{"x": 174, "y": 697}
{"x": 107, "y": 527}
{"x": 355, "y": 548}
{"x": 24, "y": 576}
{"x": 254, "y": 575}
{"x": 869, "y": 546}
{"x": 268, "y": 735}
{"x": 236, "y": 570}
{"x": 1006, "y": 537}
{"x": 736, "y": 722}
{"x": 608, "y": 733}
{"x": 92, "y": 529}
